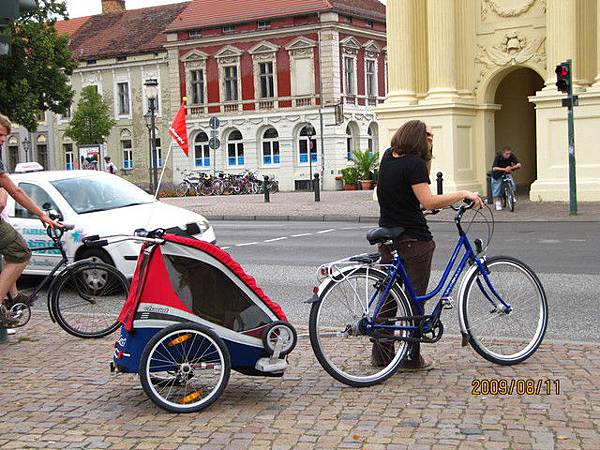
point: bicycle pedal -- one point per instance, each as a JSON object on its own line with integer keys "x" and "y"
{"x": 448, "y": 303}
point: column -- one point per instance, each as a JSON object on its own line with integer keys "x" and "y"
{"x": 597, "y": 81}
{"x": 441, "y": 27}
{"x": 561, "y": 37}
{"x": 401, "y": 51}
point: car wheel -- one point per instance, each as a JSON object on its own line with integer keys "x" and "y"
{"x": 96, "y": 279}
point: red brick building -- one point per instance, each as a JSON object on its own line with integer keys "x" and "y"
{"x": 267, "y": 70}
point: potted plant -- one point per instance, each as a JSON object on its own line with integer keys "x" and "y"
{"x": 365, "y": 162}
{"x": 350, "y": 178}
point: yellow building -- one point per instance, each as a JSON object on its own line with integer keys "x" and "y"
{"x": 481, "y": 74}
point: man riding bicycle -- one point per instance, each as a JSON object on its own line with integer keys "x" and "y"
{"x": 12, "y": 245}
{"x": 504, "y": 164}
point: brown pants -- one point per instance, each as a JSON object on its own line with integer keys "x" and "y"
{"x": 416, "y": 256}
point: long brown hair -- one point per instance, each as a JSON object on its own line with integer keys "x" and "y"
{"x": 411, "y": 139}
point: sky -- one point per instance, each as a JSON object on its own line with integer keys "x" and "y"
{"x": 80, "y": 8}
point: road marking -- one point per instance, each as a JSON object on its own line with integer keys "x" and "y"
{"x": 326, "y": 231}
{"x": 246, "y": 244}
{"x": 225, "y": 248}
{"x": 349, "y": 228}
{"x": 276, "y": 239}
{"x": 549, "y": 241}
{"x": 577, "y": 240}
{"x": 301, "y": 234}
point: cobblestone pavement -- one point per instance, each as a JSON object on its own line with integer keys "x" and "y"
{"x": 56, "y": 391}
{"x": 356, "y": 206}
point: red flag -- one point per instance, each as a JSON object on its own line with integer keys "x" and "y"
{"x": 178, "y": 130}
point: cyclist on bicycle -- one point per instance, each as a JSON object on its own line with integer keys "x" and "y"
{"x": 402, "y": 188}
{"x": 12, "y": 245}
{"x": 504, "y": 164}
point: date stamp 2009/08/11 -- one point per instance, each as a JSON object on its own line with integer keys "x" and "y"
{"x": 514, "y": 386}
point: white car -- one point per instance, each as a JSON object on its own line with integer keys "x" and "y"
{"x": 97, "y": 203}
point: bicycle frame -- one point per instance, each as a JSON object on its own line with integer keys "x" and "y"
{"x": 397, "y": 269}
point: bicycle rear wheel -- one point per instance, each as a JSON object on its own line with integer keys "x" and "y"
{"x": 86, "y": 302}
{"x": 346, "y": 353}
{"x": 505, "y": 337}
{"x": 182, "y": 189}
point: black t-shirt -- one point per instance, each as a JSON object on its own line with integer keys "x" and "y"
{"x": 499, "y": 161}
{"x": 398, "y": 204}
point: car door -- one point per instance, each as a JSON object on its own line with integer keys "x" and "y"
{"x": 32, "y": 229}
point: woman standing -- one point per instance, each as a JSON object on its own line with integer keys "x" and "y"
{"x": 402, "y": 189}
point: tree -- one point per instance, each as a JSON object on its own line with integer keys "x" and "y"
{"x": 35, "y": 76}
{"x": 91, "y": 122}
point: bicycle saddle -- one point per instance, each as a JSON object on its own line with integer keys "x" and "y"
{"x": 381, "y": 235}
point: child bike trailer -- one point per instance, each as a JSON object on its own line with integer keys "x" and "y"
{"x": 191, "y": 316}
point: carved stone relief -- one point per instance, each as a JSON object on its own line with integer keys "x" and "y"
{"x": 513, "y": 49}
{"x": 508, "y": 8}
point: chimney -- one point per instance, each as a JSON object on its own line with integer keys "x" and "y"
{"x": 109, "y": 6}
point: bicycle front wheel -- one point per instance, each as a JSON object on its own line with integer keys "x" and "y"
{"x": 499, "y": 335}
{"x": 87, "y": 301}
{"x": 345, "y": 352}
{"x": 510, "y": 200}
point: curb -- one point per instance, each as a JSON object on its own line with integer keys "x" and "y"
{"x": 361, "y": 219}
{"x": 267, "y": 218}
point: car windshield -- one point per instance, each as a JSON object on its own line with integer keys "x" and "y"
{"x": 93, "y": 194}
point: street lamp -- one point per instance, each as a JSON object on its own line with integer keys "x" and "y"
{"x": 310, "y": 133}
{"x": 152, "y": 94}
{"x": 26, "y": 147}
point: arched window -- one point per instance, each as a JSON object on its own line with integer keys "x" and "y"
{"x": 201, "y": 150}
{"x": 349, "y": 143}
{"x": 306, "y": 141}
{"x": 270, "y": 147}
{"x": 235, "y": 149}
{"x": 372, "y": 138}
{"x": 127, "y": 150}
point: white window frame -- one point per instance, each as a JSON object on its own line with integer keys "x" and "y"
{"x": 237, "y": 143}
{"x": 204, "y": 149}
{"x": 118, "y": 79}
{"x": 127, "y": 153}
{"x": 235, "y": 79}
{"x": 69, "y": 156}
{"x": 354, "y": 60}
{"x": 270, "y": 142}
{"x": 302, "y": 48}
{"x": 375, "y": 78}
{"x": 157, "y": 156}
{"x": 308, "y": 141}
{"x": 193, "y": 83}
{"x": 350, "y": 142}
{"x": 229, "y": 56}
{"x": 195, "y": 60}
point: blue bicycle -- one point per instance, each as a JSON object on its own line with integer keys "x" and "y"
{"x": 361, "y": 303}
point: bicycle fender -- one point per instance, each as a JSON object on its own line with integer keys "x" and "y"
{"x": 339, "y": 273}
{"x": 462, "y": 291}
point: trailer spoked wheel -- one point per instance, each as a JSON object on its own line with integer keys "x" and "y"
{"x": 280, "y": 332}
{"x": 185, "y": 368}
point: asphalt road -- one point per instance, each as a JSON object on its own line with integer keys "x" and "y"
{"x": 284, "y": 256}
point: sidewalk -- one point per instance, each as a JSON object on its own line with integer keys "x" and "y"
{"x": 57, "y": 392}
{"x": 357, "y": 206}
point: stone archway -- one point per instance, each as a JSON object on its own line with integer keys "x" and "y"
{"x": 515, "y": 121}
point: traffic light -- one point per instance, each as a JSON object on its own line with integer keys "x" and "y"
{"x": 9, "y": 11}
{"x": 563, "y": 77}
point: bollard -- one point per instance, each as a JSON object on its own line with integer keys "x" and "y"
{"x": 489, "y": 200}
{"x": 317, "y": 188}
{"x": 266, "y": 189}
{"x": 440, "y": 183}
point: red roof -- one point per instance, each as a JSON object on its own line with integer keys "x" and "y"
{"x": 70, "y": 26}
{"x": 209, "y": 13}
{"x": 134, "y": 31}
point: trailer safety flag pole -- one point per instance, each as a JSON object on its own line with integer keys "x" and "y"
{"x": 178, "y": 131}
